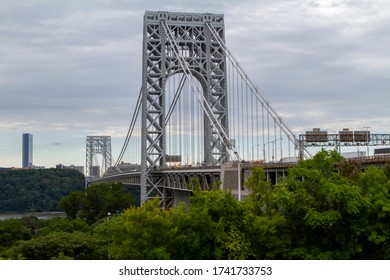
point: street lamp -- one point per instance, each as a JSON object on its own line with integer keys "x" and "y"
{"x": 238, "y": 175}
{"x": 273, "y": 149}
{"x": 368, "y": 150}
{"x": 253, "y": 151}
{"x": 337, "y": 146}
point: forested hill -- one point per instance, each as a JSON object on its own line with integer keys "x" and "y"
{"x": 29, "y": 190}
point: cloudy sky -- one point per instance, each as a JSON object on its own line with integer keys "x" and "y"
{"x": 72, "y": 68}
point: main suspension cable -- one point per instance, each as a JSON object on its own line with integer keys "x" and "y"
{"x": 131, "y": 129}
{"x": 291, "y": 136}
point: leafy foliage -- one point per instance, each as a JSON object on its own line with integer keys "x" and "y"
{"x": 57, "y": 238}
{"x": 327, "y": 215}
{"x": 97, "y": 202}
{"x": 12, "y": 230}
{"x": 56, "y": 245}
{"x": 324, "y": 209}
{"x": 29, "y": 190}
{"x": 139, "y": 233}
{"x": 72, "y": 204}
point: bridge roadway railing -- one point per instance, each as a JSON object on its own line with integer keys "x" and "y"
{"x": 169, "y": 177}
{"x": 181, "y": 177}
{"x": 375, "y": 160}
{"x": 128, "y": 177}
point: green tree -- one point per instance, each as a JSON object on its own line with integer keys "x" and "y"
{"x": 33, "y": 224}
{"x": 266, "y": 233}
{"x": 56, "y": 245}
{"x": 105, "y": 198}
{"x": 11, "y": 231}
{"x": 386, "y": 169}
{"x": 213, "y": 226}
{"x": 375, "y": 222}
{"x": 350, "y": 169}
{"x": 139, "y": 233}
{"x": 97, "y": 202}
{"x": 61, "y": 224}
{"x": 72, "y": 204}
{"x": 321, "y": 208}
{"x": 260, "y": 197}
{"x": 36, "y": 190}
{"x": 324, "y": 209}
{"x": 325, "y": 213}
{"x": 194, "y": 237}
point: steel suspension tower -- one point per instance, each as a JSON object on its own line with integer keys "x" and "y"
{"x": 181, "y": 43}
{"x": 98, "y": 145}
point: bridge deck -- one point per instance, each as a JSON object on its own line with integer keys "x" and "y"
{"x": 213, "y": 173}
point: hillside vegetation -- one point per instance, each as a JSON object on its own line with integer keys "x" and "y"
{"x": 29, "y": 190}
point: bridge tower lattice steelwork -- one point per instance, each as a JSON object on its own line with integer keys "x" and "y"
{"x": 97, "y": 145}
{"x": 205, "y": 59}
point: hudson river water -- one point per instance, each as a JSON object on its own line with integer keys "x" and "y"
{"x": 39, "y": 215}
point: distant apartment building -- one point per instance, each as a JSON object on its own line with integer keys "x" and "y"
{"x": 27, "y": 150}
{"x": 78, "y": 168}
{"x": 124, "y": 167}
{"x": 95, "y": 171}
{"x": 38, "y": 167}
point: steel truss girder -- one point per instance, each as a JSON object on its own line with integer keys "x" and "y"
{"x": 182, "y": 180}
{"x": 207, "y": 62}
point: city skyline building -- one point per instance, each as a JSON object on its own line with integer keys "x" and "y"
{"x": 27, "y": 150}
{"x": 74, "y": 167}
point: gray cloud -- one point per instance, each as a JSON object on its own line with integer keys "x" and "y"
{"x": 77, "y": 65}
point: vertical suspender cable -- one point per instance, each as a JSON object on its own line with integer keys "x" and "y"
{"x": 235, "y": 102}
{"x": 242, "y": 132}
{"x": 281, "y": 142}
{"x": 237, "y": 106}
{"x": 139, "y": 140}
{"x": 290, "y": 135}
{"x": 275, "y": 142}
{"x": 253, "y": 133}
{"x": 263, "y": 132}
{"x": 247, "y": 117}
{"x": 219, "y": 129}
{"x": 268, "y": 134}
{"x": 230, "y": 101}
{"x": 180, "y": 128}
{"x": 193, "y": 152}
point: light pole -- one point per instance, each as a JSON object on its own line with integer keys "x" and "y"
{"x": 337, "y": 147}
{"x": 273, "y": 149}
{"x": 368, "y": 149}
{"x": 238, "y": 175}
{"x": 253, "y": 151}
{"x": 264, "y": 149}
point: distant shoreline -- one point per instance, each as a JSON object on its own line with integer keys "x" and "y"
{"x": 39, "y": 215}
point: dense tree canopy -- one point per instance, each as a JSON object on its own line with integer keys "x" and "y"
{"x": 97, "y": 202}
{"x": 325, "y": 208}
{"x": 29, "y": 190}
{"x": 320, "y": 212}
